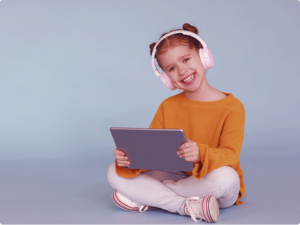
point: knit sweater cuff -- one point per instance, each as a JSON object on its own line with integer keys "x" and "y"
{"x": 126, "y": 172}
{"x": 201, "y": 167}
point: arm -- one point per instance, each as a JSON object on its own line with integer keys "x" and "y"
{"x": 207, "y": 159}
{"x": 157, "y": 122}
{"x": 228, "y": 152}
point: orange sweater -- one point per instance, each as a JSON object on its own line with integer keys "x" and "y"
{"x": 217, "y": 127}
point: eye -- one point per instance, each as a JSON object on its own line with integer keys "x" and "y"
{"x": 186, "y": 59}
{"x": 171, "y": 69}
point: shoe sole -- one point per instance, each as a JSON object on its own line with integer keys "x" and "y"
{"x": 123, "y": 206}
{"x": 211, "y": 211}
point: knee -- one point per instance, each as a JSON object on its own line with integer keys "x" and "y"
{"x": 111, "y": 174}
{"x": 227, "y": 177}
{"x": 229, "y": 180}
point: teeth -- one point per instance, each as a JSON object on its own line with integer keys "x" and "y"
{"x": 189, "y": 78}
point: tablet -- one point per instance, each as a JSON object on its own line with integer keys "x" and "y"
{"x": 153, "y": 149}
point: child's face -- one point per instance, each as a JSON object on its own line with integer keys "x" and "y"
{"x": 184, "y": 67}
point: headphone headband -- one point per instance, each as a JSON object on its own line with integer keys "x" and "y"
{"x": 185, "y": 32}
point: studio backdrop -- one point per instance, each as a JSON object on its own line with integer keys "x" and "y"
{"x": 70, "y": 70}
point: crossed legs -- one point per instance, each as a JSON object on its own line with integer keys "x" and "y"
{"x": 168, "y": 190}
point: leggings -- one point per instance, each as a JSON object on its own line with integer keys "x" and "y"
{"x": 168, "y": 190}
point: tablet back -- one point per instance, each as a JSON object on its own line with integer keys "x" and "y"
{"x": 154, "y": 149}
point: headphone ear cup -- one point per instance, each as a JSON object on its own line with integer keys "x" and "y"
{"x": 167, "y": 81}
{"x": 208, "y": 62}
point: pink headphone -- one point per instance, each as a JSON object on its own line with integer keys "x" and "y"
{"x": 205, "y": 56}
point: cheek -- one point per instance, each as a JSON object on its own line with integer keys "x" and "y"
{"x": 171, "y": 77}
{"x": 200, "y": 65}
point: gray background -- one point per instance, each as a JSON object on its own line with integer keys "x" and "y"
{"x": 70, "y": 70}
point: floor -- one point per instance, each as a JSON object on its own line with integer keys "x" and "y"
{"x": 76, "y": 191}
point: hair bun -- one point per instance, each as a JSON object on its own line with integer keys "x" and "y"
{"x": 189, "y": 27}
{"x": 151, "y": 47}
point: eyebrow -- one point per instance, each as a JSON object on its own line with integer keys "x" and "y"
{"x": 177, "y": 59}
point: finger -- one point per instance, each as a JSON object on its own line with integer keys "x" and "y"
{"x": 186, "y": 150}
{"x": 123, "y": 158}
{"x": 123, "y": 163}
{"x": 194, "y": 158}
{"x": 188, "y": 154}
{"x": 191, "y": 159}
{"x": 185, "y": 145}
{"x": 118, "y": 152}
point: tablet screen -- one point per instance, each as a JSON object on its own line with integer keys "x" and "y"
{"x": 154, "y": 149}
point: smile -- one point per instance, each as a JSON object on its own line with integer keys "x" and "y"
{"x": 189, "y": 80}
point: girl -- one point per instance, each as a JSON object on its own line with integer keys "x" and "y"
{"x": 213, "y": 122}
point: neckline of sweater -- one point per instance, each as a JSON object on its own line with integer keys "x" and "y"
{"x": 209, "y": 104}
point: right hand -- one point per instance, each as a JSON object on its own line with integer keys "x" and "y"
{"x": 121, "y": 158}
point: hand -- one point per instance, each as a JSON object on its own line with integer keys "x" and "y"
{"x": 121, "y": 158}
{"x": 189, "y": 151}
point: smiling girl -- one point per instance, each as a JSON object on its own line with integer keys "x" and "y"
{"x": 213, "y": 122}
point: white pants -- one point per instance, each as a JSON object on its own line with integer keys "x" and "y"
{"x": 168, "y": 190}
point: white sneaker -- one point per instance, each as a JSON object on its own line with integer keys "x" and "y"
{"x": 126, "y": 204}
{"x": 206, "y": 208}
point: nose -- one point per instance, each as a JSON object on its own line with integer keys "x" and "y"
{"x": 182, "y": 70}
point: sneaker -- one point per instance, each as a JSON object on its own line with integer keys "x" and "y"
{"x": 206, "y": 208}
{"x": 126, "y": 204}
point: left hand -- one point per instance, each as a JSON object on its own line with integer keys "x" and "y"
{"x": 189, "y": 151}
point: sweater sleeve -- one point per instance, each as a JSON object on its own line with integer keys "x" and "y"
{"x": 158, "y": 120}
{"x": 228, "y": 152}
